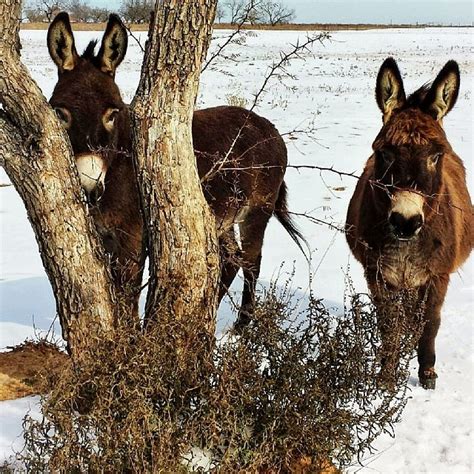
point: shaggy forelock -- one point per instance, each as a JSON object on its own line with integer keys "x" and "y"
{"x": 89, "y": 52}
{"x": 415, "y": 100}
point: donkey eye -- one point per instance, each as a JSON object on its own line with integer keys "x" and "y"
{"x": 384, "y": 161}
{"x": 109, "y": 117}
{"x": 384, "y": 156}
{"x": 64, "y": 116}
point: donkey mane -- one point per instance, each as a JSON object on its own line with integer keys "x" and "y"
{"x": 416, "y": 99}
{"x": 89, "y": 52}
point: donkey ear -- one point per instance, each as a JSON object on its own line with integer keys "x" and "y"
{"x": 114, "y": 45}
{"x": 61, "y": 43}
{"x": 389, "y": 91}
{"x": 443, "y": 94}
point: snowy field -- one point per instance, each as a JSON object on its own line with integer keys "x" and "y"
{"x": 331, "y": 89}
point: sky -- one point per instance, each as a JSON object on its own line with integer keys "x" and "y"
{"x": 369, "y": 11}
{"x": 383, "y": 11}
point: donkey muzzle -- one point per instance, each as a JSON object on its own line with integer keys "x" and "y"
{"x": 93, "y": 197}
{"x": 406, "y": 215}
{"x": 92, "y": 169}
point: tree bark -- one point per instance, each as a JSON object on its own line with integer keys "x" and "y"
{"x": 180, "y": 227}
{"x": 35, "y": 152}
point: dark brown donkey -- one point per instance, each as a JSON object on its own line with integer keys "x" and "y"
{"x": 241, "y": 159}
{"x": 410, "y": 220}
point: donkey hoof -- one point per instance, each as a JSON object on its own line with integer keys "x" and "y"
{"x": 428, "y": 379}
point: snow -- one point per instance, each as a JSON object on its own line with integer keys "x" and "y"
{"x": 331, "y": 89}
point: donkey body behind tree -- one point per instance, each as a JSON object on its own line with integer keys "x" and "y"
{"x": 241, "y": 160}
{"x": 410, "y": 220}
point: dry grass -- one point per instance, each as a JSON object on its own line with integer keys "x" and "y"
{"x": 295, "y": 392}
{"x": 227, "y": 26}
{"x": 24, "y": 368}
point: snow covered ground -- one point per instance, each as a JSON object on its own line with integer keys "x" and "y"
{"x": 332, "y": 89}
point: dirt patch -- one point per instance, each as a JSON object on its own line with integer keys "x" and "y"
{"x": 228, "y": 26}
{"x": 24, "y": 368}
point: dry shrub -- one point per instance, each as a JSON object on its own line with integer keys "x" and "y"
{"x": 236, "y": 100}
{"x": 23, "y": 368}
{"x": 297, "y": 388}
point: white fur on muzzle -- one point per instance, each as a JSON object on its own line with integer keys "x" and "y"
{"x": 408, "y": 204}
{"x": 91, "y": 170}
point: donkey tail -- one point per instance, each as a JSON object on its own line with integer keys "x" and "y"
{"x": 282, "y": 213}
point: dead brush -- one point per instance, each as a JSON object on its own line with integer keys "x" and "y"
{"x": 24, "y": 368}
{"x": 296, "y": 389}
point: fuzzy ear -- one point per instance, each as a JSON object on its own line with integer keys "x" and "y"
{"x": 61, "y": 43}
{"x": 389, "y": 91}
{"x": 443, "y": 94}
{"x": 114, "y": 45}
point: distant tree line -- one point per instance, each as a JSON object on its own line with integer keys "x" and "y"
{"x": 80, "y": 10}
{"x": 232, "y": 11}
{"x": 254, "y": 12}
{"x": 235, "y": 12}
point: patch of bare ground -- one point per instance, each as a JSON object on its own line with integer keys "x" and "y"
{"x": 228, "y": 26}
{"x": 24, "y": 368}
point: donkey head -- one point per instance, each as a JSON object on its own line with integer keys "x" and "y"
{"x": 409, "y": 150}
{"x": 87, "y": 100}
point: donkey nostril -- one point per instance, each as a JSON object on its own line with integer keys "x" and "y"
{"x": 417, "y": 222}
{"x": 396, "y": 220}
{"x": 405, "y": 228}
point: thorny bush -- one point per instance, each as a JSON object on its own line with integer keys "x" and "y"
{"x": 297, "y": 387}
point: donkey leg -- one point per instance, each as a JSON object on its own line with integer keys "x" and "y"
{"x": 426, "y": 346}
{"x": 390, "y": 311}
{"x": 229, "y": 254}
{"x": 252, "y": 231}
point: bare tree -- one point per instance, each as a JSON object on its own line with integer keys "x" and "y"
{"x": 33, "y": 14}
{"x": 36, "y": 154}
{"x": 220, "y": 13}
{"x": 43, "y": 10}
{"x": 137, "y": 11}
{"x": 184, "y": 278}
{"x": 234, "y": 7}
{"x": 79, "y": 10}
{"x": 98, "y": 14}
{"x": 243, "y": 11}
{"x": 275, "y": 13}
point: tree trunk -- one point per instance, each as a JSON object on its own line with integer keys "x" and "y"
{"x": 35, "y": 152}
{"x": 182, "y": 240}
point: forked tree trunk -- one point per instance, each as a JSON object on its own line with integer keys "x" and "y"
{"x": 180, "y": 227}
{"x": 35, "y": 152}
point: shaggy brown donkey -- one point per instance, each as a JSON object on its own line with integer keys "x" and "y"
{"x": 241, "y": 159}
{"x": 410, "y": 220}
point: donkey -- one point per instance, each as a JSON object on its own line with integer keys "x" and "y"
{"x": 410, "y": 220}
{"x": 241, "y": 160}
